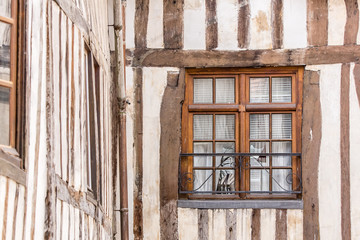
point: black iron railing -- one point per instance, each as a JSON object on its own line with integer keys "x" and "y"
{"x": 237, "y": 162}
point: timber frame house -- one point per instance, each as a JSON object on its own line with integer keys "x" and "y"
{"x": 181, "y": 119}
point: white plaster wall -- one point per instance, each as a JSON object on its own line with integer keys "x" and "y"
{"x": 130, "y": 20}
{"x": 337, "y": 21}
{"x": 227, "y": 14}
{"x": 267, "y": 223}
{"x": 329, "y": 160}
{"x": 154, "y": 83}
{"x": 218, "y": 224}
{"x": 260, "y": 24}
{"x": 294, "y": 224}
{"x": 354, "y": 159}
{"x": 155, "y": 24}
{"x": 243, "y": 223}
{"x": 194, "y": 24}
{"x": 37, "y": 57}
{"x": 188, "y": 224}
{"x": 130, "y": 145}
{"x": 294, "y": 22}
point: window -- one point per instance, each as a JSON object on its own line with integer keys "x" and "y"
{"x": 10, "y": 76}
{"x": 92, "y": 80}
{"x": 241, "y": 133}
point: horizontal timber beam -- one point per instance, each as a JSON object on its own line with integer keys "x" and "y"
{"x": 247, "y": 58}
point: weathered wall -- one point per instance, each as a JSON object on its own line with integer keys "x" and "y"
{"x": 50, "y": 199}
{"x": 320, "y": 35}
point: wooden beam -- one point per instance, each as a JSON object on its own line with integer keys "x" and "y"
{"x": 317, "y": 22}
{"x": 173, "y": 24}
{"x": 141, "y": 22}
{"x": 74, "y": 13}
{"x": 250, "y": 58}
{"x": 211, "y": 25}
{"x": 277, "y": 23}
{"x": 352, "y": 22}
{"x": 345, "y": 151}
{"x": 311, "y": 141}
{"x": 11, "y": 171}
{"x": 243, "y": 24}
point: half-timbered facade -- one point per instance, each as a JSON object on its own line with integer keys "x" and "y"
{"x": 181, "y": 119}
{"x": 204, "y": 75}
{"x": 59, "y": 129}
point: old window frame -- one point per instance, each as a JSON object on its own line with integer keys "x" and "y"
{"x": 13, "y": 152}
{"x": 242, "y": 108}
{"x": 92, "y": 88}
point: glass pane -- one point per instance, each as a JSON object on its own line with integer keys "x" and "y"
{"x": 281, "y": 89}
{"x": 203, "y": 125}
{"x": 281, "y": 126}
{"x": 225, "y": 147}
{"x": 259, "y": 90}
{"x": 225, "y": 127}
{"x": 259, "y": 180}
{"x": 225, "y": 90}
{"x": 225, "y": 180}
{"x": 281, "y": 147}
{"x": 203, "y": 180}
{"x": 203, "y": 147}
{"x": 259, "y": 147}
{"x": 282, "y": 179}
{"x": 5, "y": 8}
{"x": 4, "y": 116}
{"x": 203, "y": 90}
{"x": 5, "y": 33}
{"x": 259, "y": 126}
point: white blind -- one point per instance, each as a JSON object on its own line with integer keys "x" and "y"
{"x": 203, "y": 125}
{"x": 281, "y": 147}
{"x": 259, "y": 126}
{"x": 225, "y": 90}
{"x": 202, "y": 180}
{"x": 225, "y": 147}
{"x": 259, "y": 147}
{"x": 203, "y": 147}
{"x": 281, "y": 180}
{"x": 259, "y": 180}
{"x": 5, "y": 37}
{"x": 203, "y": 90}
{"x": 259, "y": 90}
{"x": 225, "y": 127}
{"x": 281, "y": 126}
{"x": 4, "y": 116}
{"x": 281, "y": 89}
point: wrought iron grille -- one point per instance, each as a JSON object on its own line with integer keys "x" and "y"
{"x": 241, "y": 162}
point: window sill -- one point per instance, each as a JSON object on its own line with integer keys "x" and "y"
{"x": 10, "y": 166}
{"x": 234, "y": 204}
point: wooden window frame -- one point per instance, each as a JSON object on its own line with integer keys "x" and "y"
{"x": 13, "y": 152}
{"x": 92, "y": 81}
{"x": 242, "y": 108}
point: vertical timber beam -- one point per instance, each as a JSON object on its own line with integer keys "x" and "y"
{"x": 311, "y": 139}
{"x": 141, "y": 22}
{"x": 243, "y": 24}
{"x": 173, "y": 23}
{"x": 211, "y": 25}
{"x": 352, "y": 22}
{"x": 345, "y": 152}
{"x": 50, "y": 200}
{"x": 317, "y": 22}
{"x": 277, "y": 23}
{"x": 170, "y": 143}
{"x": 138, "y": 142}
